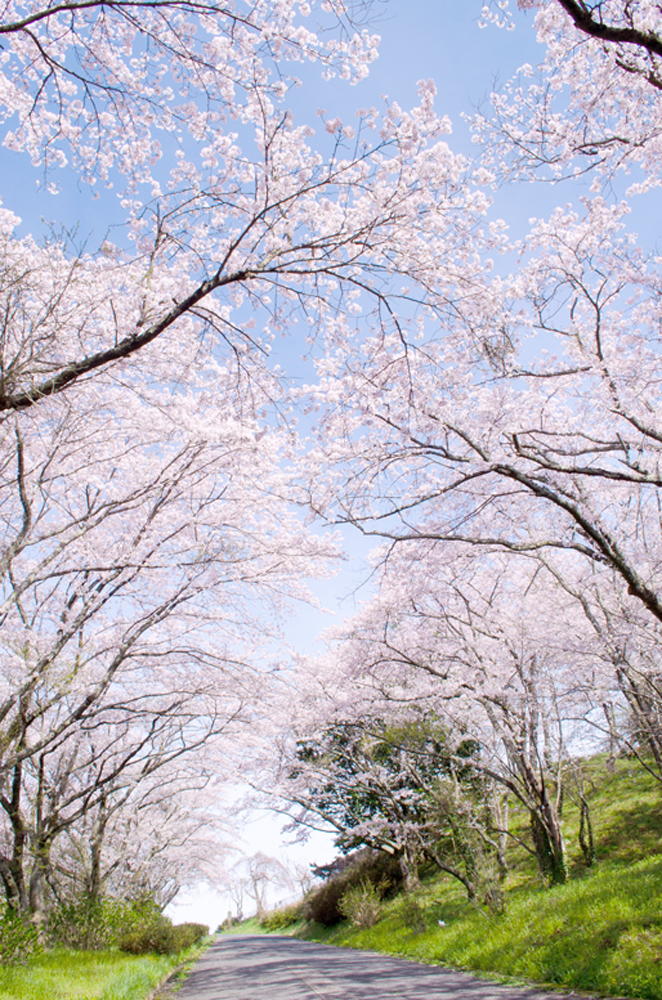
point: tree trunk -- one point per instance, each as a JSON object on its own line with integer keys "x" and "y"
{"x": 501, "y": 813}
{"x": 95, "y": 879}
{"x": 37, "y": 888}
{"x": 455, "y": 872}
{"x": 13, "y": 894}
{"x": 409, "y": 869}
{"x": 550, "y": 849}
{"x": 13, "y": 874}
{"x": 586, "y": 833}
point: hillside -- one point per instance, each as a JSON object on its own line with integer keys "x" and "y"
{"x": 601, "y": 932}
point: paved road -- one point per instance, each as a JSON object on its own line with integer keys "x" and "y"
{"x": 244, "y": 967}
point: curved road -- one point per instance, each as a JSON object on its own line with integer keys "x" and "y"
{"x": 244, "y": 967}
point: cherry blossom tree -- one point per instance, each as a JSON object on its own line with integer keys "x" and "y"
{"x": 262, "y": 873}
{"x": 106, "y": 521}
{"x": 523, "y": 420}
{"x": 465, "y": 438}
{"x": 626, "y": 645}
{"x": 503, "y": 660}
{"x": 148, "y": 844}
{"x": 239, "y": 222}
{"x": 133, "y": 756}
{"x": 146, "y": 549}
{"x": 592, "y": 105}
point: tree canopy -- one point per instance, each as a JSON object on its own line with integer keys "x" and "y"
{"x": 483, "y": 403}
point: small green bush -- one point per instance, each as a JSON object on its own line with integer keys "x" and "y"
{"x": 362, "y": 904}
{"x": 375, "y": 867}
{"x": 162, "y": 938}
{"x": 157, "y": 938}
{"x": 18, "y": 937}
{"x": 189, "y": 934}
{"x": 414, "y": 914}
{"x": 278, "y": 919}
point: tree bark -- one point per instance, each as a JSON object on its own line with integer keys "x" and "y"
{"x": 409, "y": 869}
{"x": 550, "y": 849}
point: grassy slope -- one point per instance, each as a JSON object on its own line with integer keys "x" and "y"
{"x": 600, "y": 932}
{"x": 253, "y": 926}
{"x": 90, "y": 975}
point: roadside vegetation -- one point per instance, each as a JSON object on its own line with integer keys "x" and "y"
{"x": 600, "y": 931}
{"x": 106, "y": 951}
{"x": 90, "y": 975}
{"x": 288, "y": 921}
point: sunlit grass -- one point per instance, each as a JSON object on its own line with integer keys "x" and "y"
{"x": 252, "y": 926}
{"x": 88, "y": 975}
{"x": 601, "y": 932}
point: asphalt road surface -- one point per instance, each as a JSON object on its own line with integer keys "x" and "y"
{"x": 281, "y": 968}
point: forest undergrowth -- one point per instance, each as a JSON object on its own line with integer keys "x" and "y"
{"x": 600, "y": 932}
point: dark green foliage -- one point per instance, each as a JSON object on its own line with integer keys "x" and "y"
{"x": 279, "y": 919}
{"x": 344, "y": 750}
{"x": 18, "y": 937}
{"x": 162, "y": 938}
{"x": 379, "y": 869}
{"x": 412, "y": 789}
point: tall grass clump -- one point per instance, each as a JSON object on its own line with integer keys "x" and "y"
{"x": 18, "y": 937}
{"x": 80, "y": 975}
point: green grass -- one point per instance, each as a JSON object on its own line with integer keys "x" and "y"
{"x": 89, "y": 975}
{"x": 248, "y": 926}
{"x": 252, "y": 926}
{"x": 600, "y": 932}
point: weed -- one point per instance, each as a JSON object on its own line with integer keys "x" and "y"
{"x": 362, "y": 904}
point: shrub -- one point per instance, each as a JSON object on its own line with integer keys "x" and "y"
{"x": 189, "y": 934}
{"x": 228, "y": 924}
{"x": 278, "y": 919}
{"x": 93, "y": 924}
{"x": 18, "y": 937}
{"x": 413, "y": 914}
{"x": 362, "y": 904}
{"x": 379, "y": 869}
{"x": 322, "y": 904}
{"x": 158, "y": 938}
{"x": 162, "y": 938}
